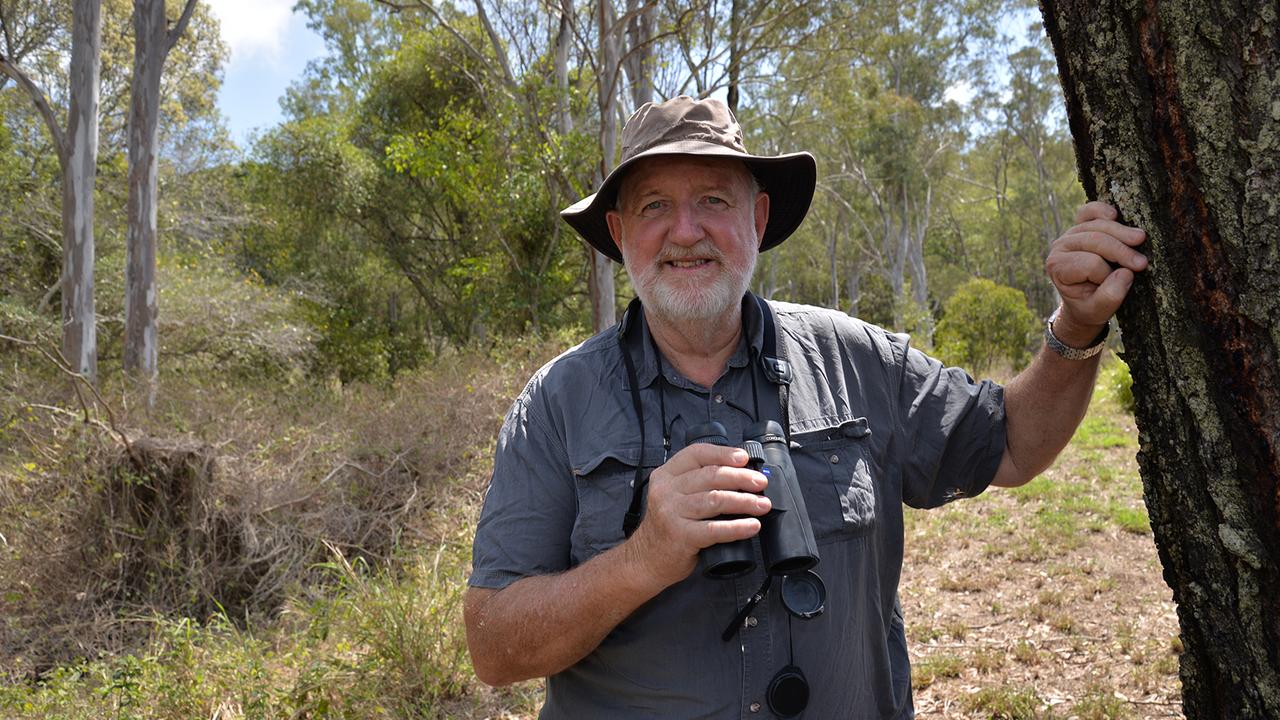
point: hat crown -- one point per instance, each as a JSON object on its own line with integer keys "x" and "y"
{"x": 681, "y": 119}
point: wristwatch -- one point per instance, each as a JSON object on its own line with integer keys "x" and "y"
{"x": 1069, "y": 352}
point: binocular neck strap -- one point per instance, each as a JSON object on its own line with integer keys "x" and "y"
{"x": 774, "y": 360}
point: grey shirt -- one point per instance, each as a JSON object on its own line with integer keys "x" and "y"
{"x": 878, "y": 424}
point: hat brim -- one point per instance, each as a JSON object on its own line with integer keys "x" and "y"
{"x": 789, "y": 180}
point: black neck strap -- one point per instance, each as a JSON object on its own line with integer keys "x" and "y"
{"x": 773, "y": 360}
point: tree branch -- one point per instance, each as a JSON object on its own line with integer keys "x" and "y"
{"x": 179, "y": 27}
{"x": 42, "y": 105}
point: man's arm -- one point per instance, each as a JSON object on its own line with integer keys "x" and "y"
{"x": 1092, "y": 265}
{"x": 540, "y": 625}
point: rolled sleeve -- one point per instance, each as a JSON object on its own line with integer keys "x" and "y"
{"x": 953, "y": 426}
{"x": 529, "y": 509}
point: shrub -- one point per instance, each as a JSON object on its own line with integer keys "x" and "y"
{"x": 983, "y": 321}
{"x": 1118, "y": 383}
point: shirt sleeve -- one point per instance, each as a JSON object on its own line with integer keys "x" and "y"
{"x": 529, "y": 509}
{"x": 954, "y": 429}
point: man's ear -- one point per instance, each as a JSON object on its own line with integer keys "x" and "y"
{"x": 614, "y": 219}
{"x": 762, "y": 215}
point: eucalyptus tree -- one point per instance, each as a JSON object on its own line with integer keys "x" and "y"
{"x": 76, "y": 145}
{"x": 153, "y": 39}
{"x": 877, "y": 82}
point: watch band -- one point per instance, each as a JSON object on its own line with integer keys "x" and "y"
{"x": 1069, "y": 352}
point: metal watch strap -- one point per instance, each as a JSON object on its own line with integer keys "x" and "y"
{"x": 1069, "y": 352}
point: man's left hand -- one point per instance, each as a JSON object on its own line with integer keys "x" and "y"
{"x": 1093, "y": 266}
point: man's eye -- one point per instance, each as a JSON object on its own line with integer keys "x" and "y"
{"x": 713, "y": 200}
{"x": 653, "y": 205}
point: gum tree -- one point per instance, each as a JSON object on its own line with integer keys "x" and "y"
{"x": 76, "y": 144}
{"x": 1175, "y": 111}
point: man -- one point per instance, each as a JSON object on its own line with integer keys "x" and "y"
{"x": 621, "y": 622}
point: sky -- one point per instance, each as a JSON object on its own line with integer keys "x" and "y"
{"x": 270, "y": 45}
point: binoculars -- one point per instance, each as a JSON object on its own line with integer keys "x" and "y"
{"x": 786, "y": 537}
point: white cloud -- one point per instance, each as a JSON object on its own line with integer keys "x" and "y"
{"x": 254, "y": 27}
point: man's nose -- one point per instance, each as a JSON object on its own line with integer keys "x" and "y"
{"x": 687, "y": 228}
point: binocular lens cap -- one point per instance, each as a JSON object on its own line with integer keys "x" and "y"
{"x": 804, "y": 594}
{"x": 788, "y": 692}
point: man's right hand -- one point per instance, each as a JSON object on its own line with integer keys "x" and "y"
{"x": 697, "y": 485}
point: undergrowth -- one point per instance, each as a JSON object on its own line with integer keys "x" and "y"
{"x": 248, "y": 548}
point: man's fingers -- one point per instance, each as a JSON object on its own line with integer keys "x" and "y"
{"x": 705, "y": 455}
{"x": 1073, "y": 268}
{"x": 1123, "y": 233}
{"x": 1106, "y": 300}
{"x": 714, "y": 503}
{"x": 1104, "y": 244}
{"x": 1094, "y": 303}
{"x": 719, "y": 531}
{"x": 1095, "y": 210}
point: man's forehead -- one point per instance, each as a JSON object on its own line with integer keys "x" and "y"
{"x": 653, "y": 171}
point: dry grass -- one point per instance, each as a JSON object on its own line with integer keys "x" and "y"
{"x": 226, "y": 496}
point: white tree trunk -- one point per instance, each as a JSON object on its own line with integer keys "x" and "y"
{"x": 140, "y": 307}
{"x": 79, "y": 338}
{"x": 600, "y": 284}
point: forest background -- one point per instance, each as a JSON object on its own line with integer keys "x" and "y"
{"x": 348, "y": 300}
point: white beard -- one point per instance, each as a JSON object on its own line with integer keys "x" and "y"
{"x": 684, "y": 301}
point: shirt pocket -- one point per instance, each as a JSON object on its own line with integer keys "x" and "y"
{"x": 603, "y": 484}
{"x": 836, "y": 472}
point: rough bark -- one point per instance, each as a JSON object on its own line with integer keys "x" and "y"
{"x": 1175, "y": 113}
{"x": 79, "y": 172}
{"x": 152, "y": 42}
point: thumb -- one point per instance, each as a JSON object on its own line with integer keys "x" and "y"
{"x": 1112, "y": 292}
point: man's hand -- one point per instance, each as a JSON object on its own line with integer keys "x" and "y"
{"x": 1093, "y": 266}
{"x": 695, "y": 486}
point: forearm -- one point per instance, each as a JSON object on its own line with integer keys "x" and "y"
{"x": 540, "y": 625}
{"x": 1043, "y": 406}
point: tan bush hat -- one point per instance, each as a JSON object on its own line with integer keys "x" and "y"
{"x": 686, "y": 126}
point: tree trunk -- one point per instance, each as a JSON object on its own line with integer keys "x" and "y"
{"x": 1174, "y": 111}
{"x": 735, "y": 55}
{"x": 152, "y": 41}
{"x": 79, "y": 171}
{"x": 564, "y": 36}
{"x": 639, "y": 40}
{"x": 140, "y": 307}
{"x": 600, "y": 280}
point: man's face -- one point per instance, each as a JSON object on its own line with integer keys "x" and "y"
{"x": 689, "y": 230}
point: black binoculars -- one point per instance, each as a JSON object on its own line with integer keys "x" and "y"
{"x": 786, "y": 537}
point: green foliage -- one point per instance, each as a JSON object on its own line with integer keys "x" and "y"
{"x": 216, "y": 320}
{"x": 1115, "y": 382}
{"x": 983, "y": 322}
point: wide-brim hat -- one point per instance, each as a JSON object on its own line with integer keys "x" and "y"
{"x": 707, "y": 128}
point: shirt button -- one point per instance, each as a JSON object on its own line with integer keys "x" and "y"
{"x": 835, "y": 459}
{"x": 719, "y": 398}
{"x": 752, "y": 622}
{"x": 755, "y": 707}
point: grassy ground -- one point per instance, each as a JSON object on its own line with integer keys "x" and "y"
{"x": 1041, "y": 602}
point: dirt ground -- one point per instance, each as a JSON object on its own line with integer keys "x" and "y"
{"x": 1050, "y": 604}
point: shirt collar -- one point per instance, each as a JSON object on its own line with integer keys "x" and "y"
{"x": 637, "y": 340}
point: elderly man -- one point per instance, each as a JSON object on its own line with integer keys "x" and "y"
{"x": 598, "y": 511}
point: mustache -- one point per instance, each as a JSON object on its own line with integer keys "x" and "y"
{"x": 704, "y": 249}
